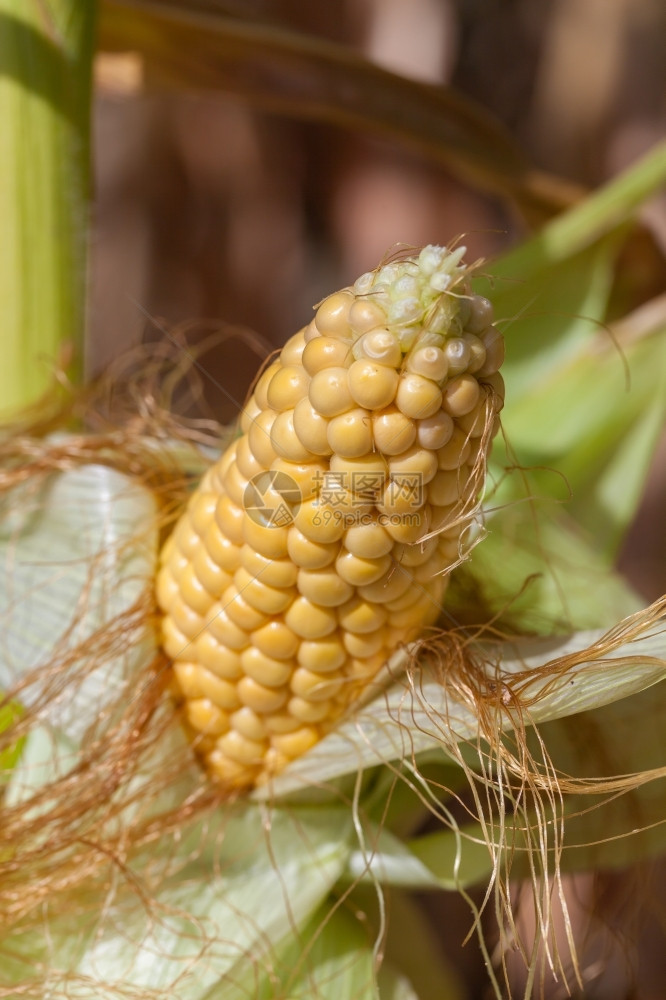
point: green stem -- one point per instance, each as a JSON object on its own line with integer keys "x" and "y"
{"x": 46, "y": 49}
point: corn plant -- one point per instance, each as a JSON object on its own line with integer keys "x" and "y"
{"x": 515, "y": 738}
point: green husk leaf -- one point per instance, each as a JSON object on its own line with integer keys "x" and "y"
{"x": 10, "y": 712}
{"x": 46, "y": 53}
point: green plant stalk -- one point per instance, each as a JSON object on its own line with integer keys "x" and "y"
{"x": 46, "y": 53}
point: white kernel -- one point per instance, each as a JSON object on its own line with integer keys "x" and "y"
{"x": 380, "y": 346}
{"x": 477, "y": 353}
{"x": 458, "y": 355}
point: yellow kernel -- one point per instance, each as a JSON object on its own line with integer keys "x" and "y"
{"x": 175, "y": 642}
{"x": 496, "y": 382}
{"x": 324, "y": 586}
{"x": 388, "y": 587}
{"x": 309, "y": 711}
{"x": 240, "y": 748}
{"x": 212, "y": 576}
{"x": 201, "y": 511}
{"x": 414, "y": 555}
{"x": 364, "y": 476}
{"x": 310, "y": 332}
{"x": 409, "y": 527}
{"x": 274, "y": 572}
{"x": 326, "y": 352}
{"x": 248, "y": 414}
{"x": 445, "y": 519}
{"x": 319, "y": 521}
{"x": 247, "y": 464}
{"x": 458, "y": 355}
{"x": 259, "y": 697}
{"x": 431, "y": 362}
{"x": 321, "y": 655}
{"x": 197, "y": 682}
{"x": 480, "y": 314}
{"x": 235, "y": 485}
{"x": 493, "y": 342}
{"x": 393, "y": 431}
{"x": 185, "y": 537}
{"x": 404, "y": 601}
{"x": 193, "y": 593}
{"x": 309, "y": 620}
{"x": 285, "y": 441}
{"x": 307, "y": 553}
{"x": 361, "y": 616}
{"x": 269, "y": 541}
{"x": 367, "y": 667}
{"x": 228, "y": 771}
{"x": 413, "y": 616}
{"x": 275, "y": 639}
{"x": 473, "y": 424}
{"x": 435, "y": 431}
{"x": 358, "y": 571}
{"x": 329, "y": 391}
{"x": 311, "y": 428}
{"x": 292, "y": 352}
{"x": 402, "y": 497}
{"x": 240, "y": 612}
{"x": 364, "y": 646}
{"x": 369, "y": 541}
{"x": 365, "y": 315}
{"x": 477, "y": 352}
{"x": 372, "y": 385}
{"x": 455, "y": 453}
{"x": 219, "y": 659}
{"x": 246, "y": 722}
{"x": 260, "y": 392}
{"x": 450, "y": 549}
{"x": 315, "y": 687}
{"x": 267, "y": 599}
{"x": 381, "y": 346}
{"x": 259, "y": 437}
{"x": 308, "y": 476}
{"x": 297, "y": 743}
{"x": 460, "y": 395}
{"x": 332, "y": 316}
{"x": 222, "y": 551}
{"x": 264, "y": 669}
{"x": 418, "y": 397}
{"x": 167, "y": 589}
{"x": 446, "y": 487}
{"x": 287, "y": 387}
{"x": 187, "y": 620}
{"x": 206, "y": 717}
{"x": 350, "y": 433}
{"x": 229, "y": 518}
{"x": 415, "y": 462}
{"x": 224, "y": 629}
{"x": 281, "y": 722}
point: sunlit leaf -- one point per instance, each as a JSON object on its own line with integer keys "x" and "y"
{"x": 9, "y": 713}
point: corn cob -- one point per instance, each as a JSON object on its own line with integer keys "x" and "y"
{"x": 321, "y": 539}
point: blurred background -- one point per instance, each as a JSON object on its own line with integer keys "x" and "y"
{"x": 216, "y": 212}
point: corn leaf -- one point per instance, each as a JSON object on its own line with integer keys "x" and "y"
{"x": 9, "y": 713}
{"x": 46, "y": 56}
